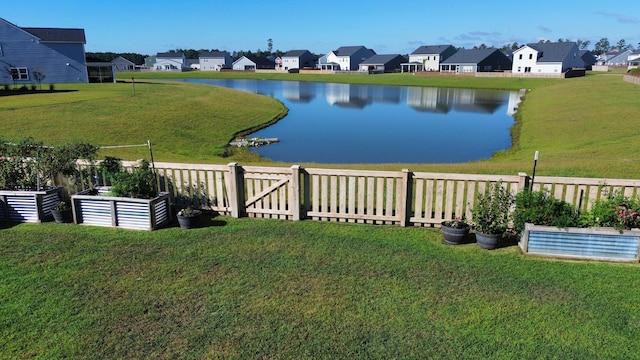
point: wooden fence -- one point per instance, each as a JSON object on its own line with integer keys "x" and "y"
{"x": 402, "y": 198}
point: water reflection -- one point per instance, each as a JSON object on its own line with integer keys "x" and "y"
{"x": 348, "y": 123}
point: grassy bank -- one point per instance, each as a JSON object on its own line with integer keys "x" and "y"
{"x": 253, "y": 288}
{"x": 186, "y": 123}
{"x": 582, "y": 127}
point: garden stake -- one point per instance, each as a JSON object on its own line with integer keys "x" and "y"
{"x": 533, "y": 176}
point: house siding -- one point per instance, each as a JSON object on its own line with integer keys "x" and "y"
{"x": 60, "y": 62}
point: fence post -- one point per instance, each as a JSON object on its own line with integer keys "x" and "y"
{"x": 405, "y": 197}
{"x": 294, "y": 195}
{"x": 235, "y": 187}
{"x": 523, "y": 181}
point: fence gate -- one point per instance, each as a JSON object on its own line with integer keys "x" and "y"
{"x": 271, "y": 192}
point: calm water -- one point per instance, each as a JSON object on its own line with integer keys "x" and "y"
{"x": 346, "y": 123}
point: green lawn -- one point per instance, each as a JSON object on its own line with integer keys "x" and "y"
{"x": 255, "y": 288}
{"x": 251, "y": 288}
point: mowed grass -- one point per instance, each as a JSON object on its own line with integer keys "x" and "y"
{"x": 184, "y": 122}
{"x": 257, "y": 288}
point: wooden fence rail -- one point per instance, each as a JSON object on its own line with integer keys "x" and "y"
{"x": 402, "y": 198}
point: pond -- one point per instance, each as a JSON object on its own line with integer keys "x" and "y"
{"x": 347, "y": 123}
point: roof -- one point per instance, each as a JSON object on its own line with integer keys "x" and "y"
{"x": 470, "y": 56}
{"x": 170, "y": 55}
{"x": 382, "y": 59}
{"x": 349, "y": 50}
{"x": 295, "y": 53}
{"x": 58, "y": 34}
{"x": 123, "y": 59}
{"x": 553, "y": 52}
{"x": 431, "y": 49}
{"x": 260, "y": 61}
{"x": 213, "y": 54}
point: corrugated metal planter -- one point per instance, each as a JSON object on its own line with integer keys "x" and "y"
{"x": 119, "y": 212}
{"x": 28, "y": 206}
{"x": 578, "y": 243}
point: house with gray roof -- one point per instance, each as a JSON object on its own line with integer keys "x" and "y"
{"x": 123, "y": 64}
{"x": 56, "y": 53}
{"x": 383, "y": 63}
{"x": 296, "y": 59}
{"x": 588, "y": 58}
{"x": 253, "y": 63}
{"x": 476, "y": 60}
{"x": 428, "y": 58}
{"x": 215, "y": 60}
{"x": 547, "y": 58}
{"x": 617, "y": 58}
{"x": 345, "y": 58}
{"x": 171, "y": 61}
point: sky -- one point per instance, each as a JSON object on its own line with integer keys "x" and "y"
{"x": 387, "y": 27}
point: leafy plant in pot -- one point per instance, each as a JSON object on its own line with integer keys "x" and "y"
{"x": 62, "y": 212}
{"x": 455, "y": 231}
{"x": 491, "y": 214}
{"x": 189, "y": 218}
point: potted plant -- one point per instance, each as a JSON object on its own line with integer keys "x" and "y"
{"x": 189, "y": 218}
{"x": 491, "y": 215}
{"x": 62, "y": 212}
{"x": 131, "y": 202}
{"x": 455, "y": 231}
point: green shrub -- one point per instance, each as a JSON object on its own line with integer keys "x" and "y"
{"x": 29, "y": 165}
{"x": 139, "y": 183}
{"x": 538, "y": 207}
{"x": 491, "y": 212}
{"x": 614, "y": 210}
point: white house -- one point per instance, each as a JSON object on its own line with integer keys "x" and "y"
{"x": 547, "y": 58}
{"x": 171, "y": 62}
{"x": 123, "y": 64}
{"x": 633, "y": 60}
{"x": 252, "y": 63}
{"x": 428, "y": 58}
{"x": 296, "y": 59}
{"x": 383, "y": 63}
{"x": 214, "y": 60}
{"x": 347, "y": 57}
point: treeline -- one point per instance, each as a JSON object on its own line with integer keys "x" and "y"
{"x": 137, "y": 59}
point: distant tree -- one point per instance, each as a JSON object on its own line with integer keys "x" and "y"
{"x": 269, "y": 46}
{"x": 38, "y": 75}
{"x": 481, "y": 46}
{"x": 583, "y": 44}
{"x": 561, "y": 40}
{"x": 622, "y": 45}
{"x": 602, "y": 46}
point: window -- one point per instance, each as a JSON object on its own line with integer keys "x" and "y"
{"x": 19, "y": 73}
{"x": 520, "y": 57}
{"x": 530, "y": 56}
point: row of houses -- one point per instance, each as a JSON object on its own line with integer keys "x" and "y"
{"x": 58, "y": 55}
{"x": 543, "y": 58}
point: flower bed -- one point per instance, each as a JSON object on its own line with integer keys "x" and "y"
{"x": 581, "y": 243}
{"x": 92, "y": 207}
{"x": 28, "y": 206}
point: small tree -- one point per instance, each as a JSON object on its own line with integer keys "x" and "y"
{"x": 38, "y": 75}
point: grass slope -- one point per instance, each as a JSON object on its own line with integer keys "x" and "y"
{"x": 251, "y": 288}
{"x": 184, "y": 122}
